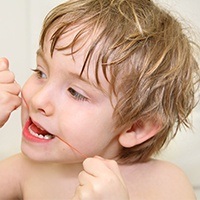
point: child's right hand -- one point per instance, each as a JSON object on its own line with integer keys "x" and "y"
{"x": 101, "y": 179}
{"x": 9, "y": 91}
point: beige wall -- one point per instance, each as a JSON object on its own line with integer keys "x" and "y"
{"x": 14, "y": 44}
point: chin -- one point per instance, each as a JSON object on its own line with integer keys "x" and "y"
{"x": 35, "y": 155}
{"x": 40, "y": 156}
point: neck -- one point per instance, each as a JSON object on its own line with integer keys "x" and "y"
{"x": 66, "y": 169}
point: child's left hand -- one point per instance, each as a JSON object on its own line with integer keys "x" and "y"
{"x": 100, "y": 179}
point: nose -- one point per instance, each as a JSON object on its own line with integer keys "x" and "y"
{"x": 42, "y": 101}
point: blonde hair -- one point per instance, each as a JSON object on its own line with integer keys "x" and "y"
{"x": 150, "y": 61}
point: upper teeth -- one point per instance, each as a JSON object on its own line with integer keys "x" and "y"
{"x": 46, "y": 137}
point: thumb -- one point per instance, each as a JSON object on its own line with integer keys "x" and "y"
{"x": 112, "y": 165}
{"x": 4, "y": 64}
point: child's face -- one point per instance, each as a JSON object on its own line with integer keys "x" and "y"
{"x": 58, "y": 101}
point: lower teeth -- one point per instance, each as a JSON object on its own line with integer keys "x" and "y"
{"x": 46, "y": 137}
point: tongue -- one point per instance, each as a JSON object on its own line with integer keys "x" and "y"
{"x": 37, "y": 130}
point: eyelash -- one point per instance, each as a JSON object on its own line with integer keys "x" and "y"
{"x": 77, "y": 95}
{"x": 39, "y": 73}
{"x": 73, "y": 92}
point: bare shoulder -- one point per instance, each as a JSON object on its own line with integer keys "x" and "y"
{"x": 157, "y": 179}
{"x": 14, "y": 162}
{"x": 11, "y": 165}
{"x": 11, "y": 173}
{"x": 16, "y": 166}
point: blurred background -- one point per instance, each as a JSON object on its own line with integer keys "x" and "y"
{"x": 20, "y": 25}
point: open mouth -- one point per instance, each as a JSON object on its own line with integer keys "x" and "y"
{"x": 34, "y": 132}
{"x": 37, "y": 131}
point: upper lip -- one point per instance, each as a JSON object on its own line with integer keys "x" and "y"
{"x": 39, "y": 126}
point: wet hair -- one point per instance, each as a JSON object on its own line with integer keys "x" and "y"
{"x": 149, "y": 58}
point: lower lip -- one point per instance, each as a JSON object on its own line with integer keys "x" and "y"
{"x": 28, "y": 136}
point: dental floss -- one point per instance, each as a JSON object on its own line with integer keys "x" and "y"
{"x": 73, "y": 148}
{"x": 83, "y": 155}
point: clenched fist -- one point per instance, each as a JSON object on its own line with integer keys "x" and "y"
{"x": 101, "y": 180}
{"x": 9, "y": 91}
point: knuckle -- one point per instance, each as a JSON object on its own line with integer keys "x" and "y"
{"x": 7, "y": 77}
{"x": 4, "y": 63}
{"x": 81, "y": 174}
{"x": 98, "y": 189}
{"x": 11, "y": 76}
{"x": 82, "y": 193}
{"x": 18, "y": 88}
{"x": 4, "y": 97}
{"x": 112, "y": 163}
{"x": 87, "y": 161}
{"x": 9, "y": 101}
{"x": 17, "y": 103}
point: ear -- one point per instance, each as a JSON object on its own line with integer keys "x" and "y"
{"x": 138, "y": 133}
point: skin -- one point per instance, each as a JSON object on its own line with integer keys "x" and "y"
{"x": 58, "y": 101}
{"x": 9, "y": 90}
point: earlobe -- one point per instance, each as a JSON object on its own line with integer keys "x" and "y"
{"x": 127, "y": 139}
{"x": 138, "y": 133}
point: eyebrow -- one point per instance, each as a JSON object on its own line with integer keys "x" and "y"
{"x": 78, "y": 77}
{"x": 87, "y": 81}
{"x": 40, "y": 53}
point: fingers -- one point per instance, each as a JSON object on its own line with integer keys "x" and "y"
{"x": 12, "y": 88}
{"x": 96, "y": 165}
{"x": 106, "y": 170}
{"x": 8, "y": 107}
{"x": 101, "y": 179}
{"x": 9, "y": 92}
{"x": 3, "y": 64}
{"x": 7, "y": 77}
{"x": 9, "y": 97}
{"x": 9, "y": 101}
{"x": 113, "y": 166}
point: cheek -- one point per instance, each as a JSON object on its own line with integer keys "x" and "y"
{"x": 89, "y": 130}
{"x": 26, "y": 96}
{"x": 27, "y": 88}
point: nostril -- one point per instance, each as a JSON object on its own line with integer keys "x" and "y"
{"x": 46, "y": 109}
{"x": 42, "y": 111}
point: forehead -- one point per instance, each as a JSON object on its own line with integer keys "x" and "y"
{"x": 69, "y": 39}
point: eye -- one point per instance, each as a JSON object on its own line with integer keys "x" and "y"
{"x": 76, "y": 95}
{"x": 39, "y": 73}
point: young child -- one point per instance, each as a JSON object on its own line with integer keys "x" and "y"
{"x": 114, "y": 81}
